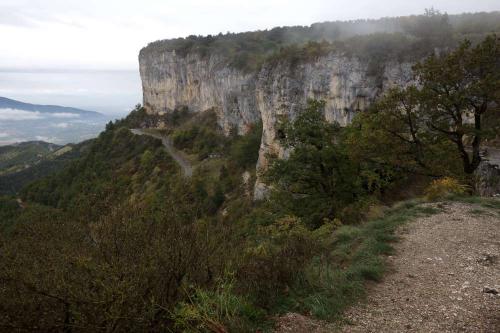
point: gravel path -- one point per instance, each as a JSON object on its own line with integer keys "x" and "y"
{"x": 185, "y": 165}
{"x": 442, "y": 278}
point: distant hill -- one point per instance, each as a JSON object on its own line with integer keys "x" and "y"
{"x": 19, "y": 156}
{"x": 24, "y": 122}
{"x": 22, "y": 163}
{"x": 7, "y": 103}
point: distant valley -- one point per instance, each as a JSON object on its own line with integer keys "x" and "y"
{"x": 21, "y": 122}
{"x": 22, "y": 163}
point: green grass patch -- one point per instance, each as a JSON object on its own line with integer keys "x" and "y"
{"x": 490, "y": 203}
{"x": 337, "y": 280}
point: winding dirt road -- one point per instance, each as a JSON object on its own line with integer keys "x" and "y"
{"x": 187, "y": 168}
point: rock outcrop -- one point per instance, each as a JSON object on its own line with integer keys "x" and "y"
{"x": 170, "y": 81}
{"x": 347, "y": 85}
{"x": 344, "y": 83}
{"x": 487, "y": 179}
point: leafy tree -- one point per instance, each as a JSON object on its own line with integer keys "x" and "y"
{"x": 433, "y": 26}
{"x": 318, "y": 178}
{"x": 411, "y": 128}
{"x": 456, "y": 91}
{"x": 392, "y": 142}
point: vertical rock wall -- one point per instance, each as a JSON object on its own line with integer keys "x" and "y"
{"x": 346, "y": 84}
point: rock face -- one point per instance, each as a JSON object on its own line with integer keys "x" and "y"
{"x": 347, "y": 85}
{"x": 170, "y": 81}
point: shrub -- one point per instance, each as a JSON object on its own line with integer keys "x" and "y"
{"x": 219, "y": 310}
{"x": 279, "y": 257}
{"x": 441, "y": 188}
{"x": 245, "y": 149}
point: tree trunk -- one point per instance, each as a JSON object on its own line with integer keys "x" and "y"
{"x": 476, "y": 144}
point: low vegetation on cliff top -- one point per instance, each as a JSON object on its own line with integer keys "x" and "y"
{"x": 405, "y": 38}
{"x": 120, "y": 241}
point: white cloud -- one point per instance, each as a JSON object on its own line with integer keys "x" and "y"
{"x": 3, "y": 135}
{"x": 52, "y": 139}
{"x": 12, "y": 141}
{"x": 14, "y": 114}
{"x": 109, "y": 34}
{"x": 62, "y": 125}
{"x": 64, "y": 115}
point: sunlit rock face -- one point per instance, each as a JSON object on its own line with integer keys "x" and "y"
{"x": 346, "y": 84}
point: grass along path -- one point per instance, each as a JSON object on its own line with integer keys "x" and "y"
{"x": 440, "y": 277}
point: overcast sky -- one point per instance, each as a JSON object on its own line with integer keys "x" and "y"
{"x": 108, "y": 34}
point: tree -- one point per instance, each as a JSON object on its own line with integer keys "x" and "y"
{"x": 433, "y": 27}
{"x": 392, "y": 141}
{"x": 456, "y": 91}
{"x": 413, "y": 126}
{"x": 317, "y": 179}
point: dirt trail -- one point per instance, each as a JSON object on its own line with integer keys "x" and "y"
{"x": 444, "y": 277}
{"x": 185, "y": 165}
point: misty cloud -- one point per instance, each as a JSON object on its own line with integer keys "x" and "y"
{"x": 16, "y": 115}
{"x": 10, "y": 141}
{"x": 13, "y": 19}
{"x": 62, "y": 125}
{"x": 109, "y": 34}
{"x": 47, "y": 138}
{"x": 64, "y": 115}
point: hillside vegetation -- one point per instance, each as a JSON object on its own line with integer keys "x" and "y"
{"x": 15, "y": 157}
{"x": 22, "y": 163}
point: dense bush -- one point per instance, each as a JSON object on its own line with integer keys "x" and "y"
{"x": 244, "y": 150}
{"x": 122, "y": 272}
{"x": 200, "y": 135}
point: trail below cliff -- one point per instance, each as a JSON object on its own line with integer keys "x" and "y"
{"x": 187, "y": 168}
{"x": 444, "y": 277}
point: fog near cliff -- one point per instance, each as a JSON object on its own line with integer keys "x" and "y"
{"x": 109, "y": 34}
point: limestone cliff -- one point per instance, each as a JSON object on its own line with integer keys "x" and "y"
{"x": 171, "y": 81}
{"x": 347, "y": 85}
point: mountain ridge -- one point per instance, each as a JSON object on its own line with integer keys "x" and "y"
{"x": 8, "y": 103}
